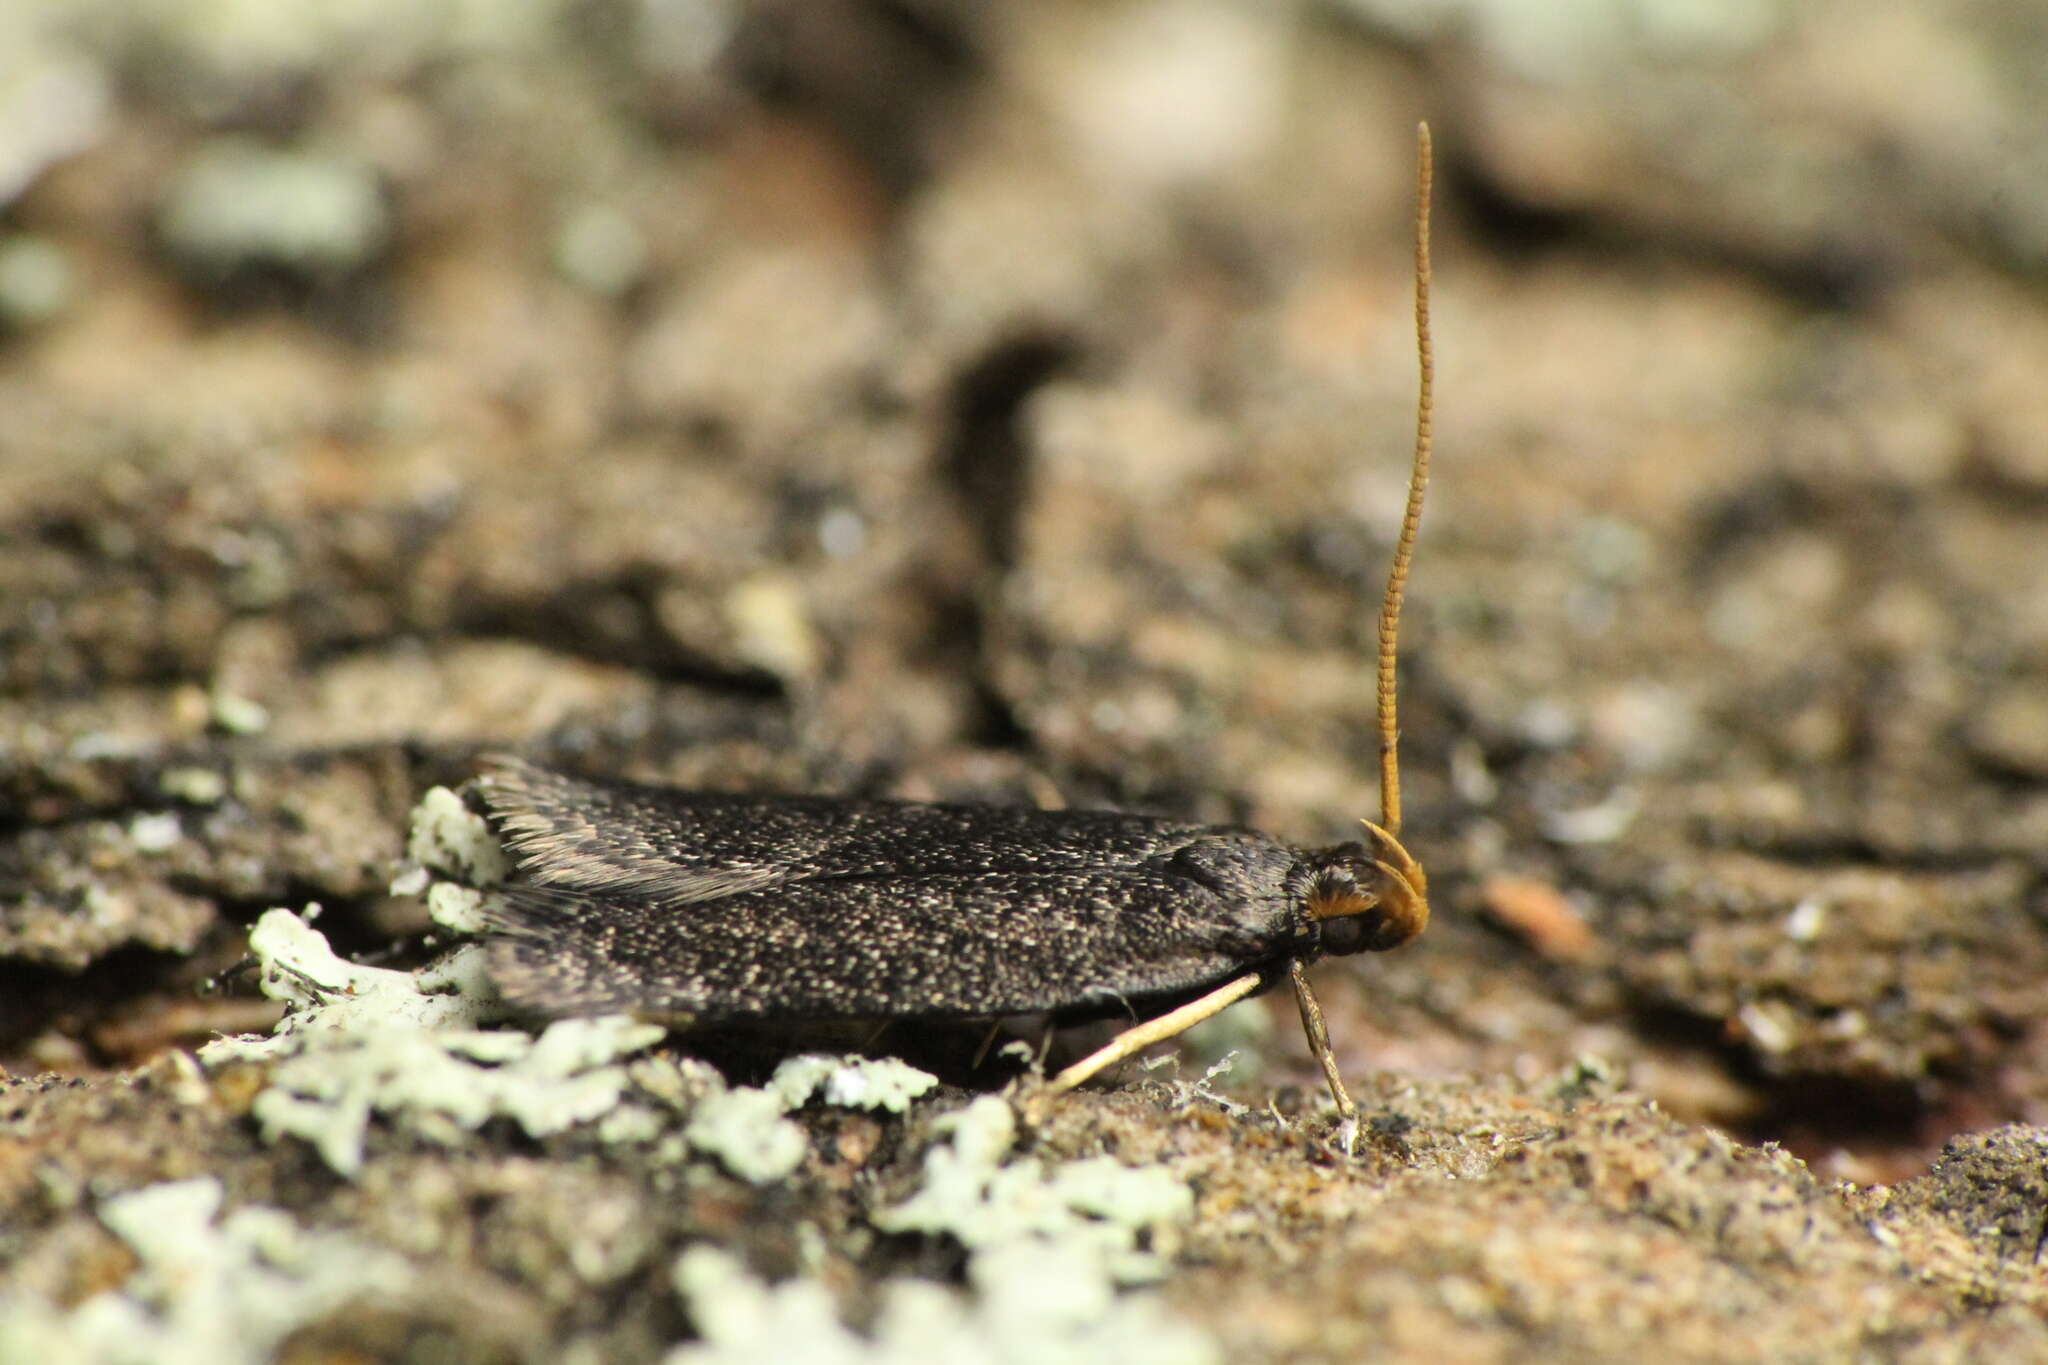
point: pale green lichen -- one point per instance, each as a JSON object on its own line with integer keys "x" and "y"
{"x": 1049, "y": 1245}
{"x": 207, "y": 1289}
{"x": 458, "y": 909}
{"x": 237, "y": 201}
{"x": 464, "y": 974}
{"x": 447, "y": 836}
{"x": 322, "y": 991}
{"x": 1030, "y": 1305}
{"x": 1097, "y": 1206}
{"x": 362, "y": 1042}
{"x": 678, "y": 1082}
{"x": 850, "y": 1082}
{"x": 358, "y": 1042}
{"x": 441, "y": 1085}
{"x": 745, "y": 1128}
{"x": 746, "y": 1131}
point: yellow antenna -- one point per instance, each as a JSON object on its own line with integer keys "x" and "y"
{"x": 1418, "y": 483}
{"x": 1391, "y": 886}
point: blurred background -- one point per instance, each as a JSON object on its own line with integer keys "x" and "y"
{"x": 1013, "y": 402}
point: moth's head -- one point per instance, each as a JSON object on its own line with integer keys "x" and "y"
{"x": 1366, "y": 897}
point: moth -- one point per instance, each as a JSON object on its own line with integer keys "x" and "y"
{"x": 719, "y": 908}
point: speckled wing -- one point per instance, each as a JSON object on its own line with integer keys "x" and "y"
{"x": 660, "y": 902}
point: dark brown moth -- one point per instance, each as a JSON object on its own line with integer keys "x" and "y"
{"x": 716, "y": 908}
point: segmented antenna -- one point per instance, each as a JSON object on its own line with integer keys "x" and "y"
{"x": 1418, "y": 483}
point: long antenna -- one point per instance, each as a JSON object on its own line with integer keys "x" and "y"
{"x": 1397, "y": 888}
{"x": 1418, "y": 483}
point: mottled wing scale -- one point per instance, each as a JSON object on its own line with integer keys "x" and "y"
{"x": 669, "y": 903}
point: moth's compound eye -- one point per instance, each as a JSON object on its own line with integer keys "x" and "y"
{"x": 1346, "y": 934}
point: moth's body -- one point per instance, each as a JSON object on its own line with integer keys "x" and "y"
{"x": 730, "y": 908}
{"x": 668, "y": 903}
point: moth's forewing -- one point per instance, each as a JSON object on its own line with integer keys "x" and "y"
{"x": 571, "y": 831}
{"x": 665, "y": 903}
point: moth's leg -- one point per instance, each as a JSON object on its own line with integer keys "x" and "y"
{"x": 875, "y": 1034}
{"x": 995, "y": 1028}
{"x": 1319, "y": 1042}
{"x": 1152, "y": 1031}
